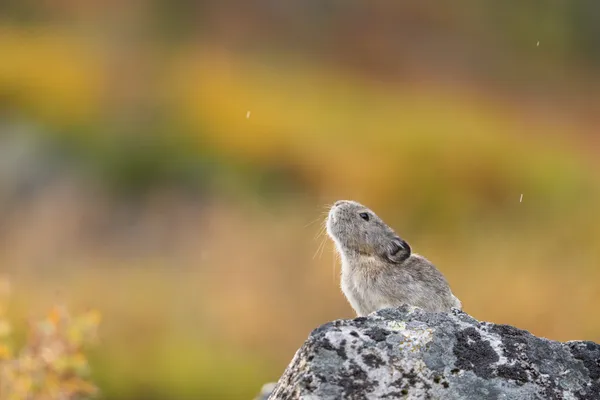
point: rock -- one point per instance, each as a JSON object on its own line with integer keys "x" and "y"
{"x": 266, "y": 391}
{"x": 411, "y": 354}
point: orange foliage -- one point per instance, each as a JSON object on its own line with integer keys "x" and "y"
{"x": 51, "y": 364}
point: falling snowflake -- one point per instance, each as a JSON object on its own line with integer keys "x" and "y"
{"x": 521, "y": 199}
{"x": 538, "y": 43}
{"x": 248, "y": 115}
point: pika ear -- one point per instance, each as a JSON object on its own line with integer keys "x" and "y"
{"x": 398, "y": 250}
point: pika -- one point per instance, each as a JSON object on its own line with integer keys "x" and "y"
{"x": 379, "y": 269}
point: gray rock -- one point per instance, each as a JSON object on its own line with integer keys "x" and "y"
{"x": 266, "y": 391}
{"x": 410, "y": 354}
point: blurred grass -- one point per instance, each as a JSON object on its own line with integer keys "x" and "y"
{"x": 446, "y": 165}
{"x": 304, "y": 116}
{"x": 152, "y": 346}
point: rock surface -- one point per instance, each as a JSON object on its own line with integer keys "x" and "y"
{"x": 410, "y": 354}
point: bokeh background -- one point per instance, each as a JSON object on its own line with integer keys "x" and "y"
{"x": 169, "y": 163}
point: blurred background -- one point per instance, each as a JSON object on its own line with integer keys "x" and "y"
{"x": 170, "y": 163}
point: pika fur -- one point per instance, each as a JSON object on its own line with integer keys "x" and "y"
{"x": 379, "y": 269}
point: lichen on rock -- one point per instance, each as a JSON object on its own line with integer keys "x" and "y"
{"x": 406, "y": 353}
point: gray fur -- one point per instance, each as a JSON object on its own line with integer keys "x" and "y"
{"x": 379, "y": 269}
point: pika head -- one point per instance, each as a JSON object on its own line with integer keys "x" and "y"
{"x": 356, "y": 229}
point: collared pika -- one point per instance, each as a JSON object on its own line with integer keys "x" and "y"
{"x": 379, "y": 269}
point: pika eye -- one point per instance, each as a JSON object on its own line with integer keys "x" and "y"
{"x": 364, "y": 216}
